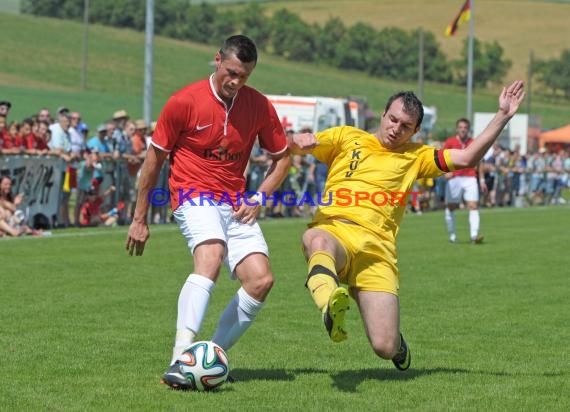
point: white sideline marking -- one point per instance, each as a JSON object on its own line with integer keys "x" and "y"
{"x": 87, "y": 233}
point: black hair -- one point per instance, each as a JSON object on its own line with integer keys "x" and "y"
{"x": 242, "y": 46}
{"x": 463, "y": 120}
{"x": 412, "y": 105}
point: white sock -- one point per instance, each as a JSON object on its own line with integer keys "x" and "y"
{"x": 184, "y": 339}
{"x": 450, "y": 221}
{"x": 474, "y": 223}
{"x": 235, "y": 320}
{"x": 192, "y": 304}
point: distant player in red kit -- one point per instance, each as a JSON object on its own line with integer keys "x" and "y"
{"x": 462, "y": 185}
{"x": 209, "y": 128}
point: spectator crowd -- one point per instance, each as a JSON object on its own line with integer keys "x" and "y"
{"x": 101, "y": 166}
{"x": 510, "y": 178}
{"x": 99, "y": 169}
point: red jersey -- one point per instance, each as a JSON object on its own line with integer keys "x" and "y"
{"x": 3, "y": 137}
{"x": 30, "y": 141}
{"x": 7, "y": 142}
{"x": 19, "y": 142}
{"x": 210, "y": 143}
{"x": 456, "y": 143}
{"x": 90, "y": 210}
{"x": 35, "y": 142}
{"x": 41, "y": 143}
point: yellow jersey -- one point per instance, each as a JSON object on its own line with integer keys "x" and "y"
{"x": 369, "y": 184}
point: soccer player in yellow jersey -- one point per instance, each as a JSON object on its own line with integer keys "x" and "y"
{"x": 352, "y": 240}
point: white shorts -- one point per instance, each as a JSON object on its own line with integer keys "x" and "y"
{"x": 461, "y": 187}
{"x": 199, "y": 223}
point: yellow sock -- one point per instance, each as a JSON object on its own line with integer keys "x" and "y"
{"x": 323, "y": 279}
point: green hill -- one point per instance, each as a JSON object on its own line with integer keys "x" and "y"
{"x": 41, "y": 66}
{"x": 518, "y": 25}
{"x": 10, "y": 6}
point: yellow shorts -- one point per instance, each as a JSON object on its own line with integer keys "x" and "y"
{"x": 371, "y": 258}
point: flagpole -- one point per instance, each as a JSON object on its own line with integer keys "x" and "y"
{"x": 148, "y": 61}
{"x": 421, "y": 64}
{"x": 470, "y": 60}
{"x": 85, "y": 44}
{"x": 528, "y": 85}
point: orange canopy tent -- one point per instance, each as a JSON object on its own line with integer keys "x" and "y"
{"x": 561, "y": 135}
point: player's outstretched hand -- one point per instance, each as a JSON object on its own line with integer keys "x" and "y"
{"x": 511, "y": 97}
{"x": 137, "y": 237}
{"x": 302, "y": 143}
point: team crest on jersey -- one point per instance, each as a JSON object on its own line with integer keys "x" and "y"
{"x": 354, "y": 162}
{"x": 221, "y": 153}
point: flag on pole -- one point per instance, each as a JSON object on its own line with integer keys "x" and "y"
{"x": 463, "y": 15}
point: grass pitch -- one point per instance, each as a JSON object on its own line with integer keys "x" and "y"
{"x": 85, "y": 327}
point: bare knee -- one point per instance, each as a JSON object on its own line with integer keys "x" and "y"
{"x": 472, "y": 205}
{"x": 265, "y": 283}
{"x": 258, "y": 287}
{"x": 208, "y": 258}
{"x": 255, "y": 275}
{"x": 314, "y": 240}
{"x": 385, "y": 347}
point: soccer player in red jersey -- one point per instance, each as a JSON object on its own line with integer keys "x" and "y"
{"x": 208, "y": 128}
{"x": 462, "y": 185}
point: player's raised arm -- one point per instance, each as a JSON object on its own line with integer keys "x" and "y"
{"x": 509, "y": 101}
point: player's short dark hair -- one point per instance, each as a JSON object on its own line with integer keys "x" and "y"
{"x": 242, "y": 46}
{"x": 463, "y": 120}
{"x": 412, "y": 105}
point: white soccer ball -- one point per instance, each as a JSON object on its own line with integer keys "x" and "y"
{"x": 205, "y": 365}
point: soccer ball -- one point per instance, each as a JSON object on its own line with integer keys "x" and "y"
{"x": 205, "y": 365}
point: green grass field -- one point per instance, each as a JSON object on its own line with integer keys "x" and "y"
{"x": 86, "y": 328}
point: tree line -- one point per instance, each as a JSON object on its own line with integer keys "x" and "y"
{"x": 388, "y": 53}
